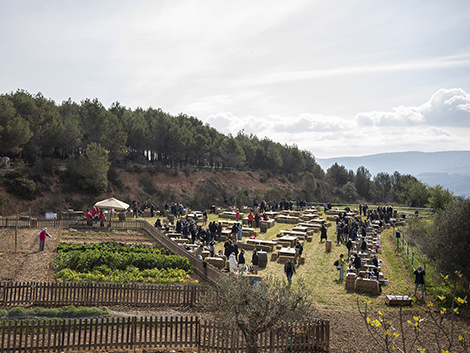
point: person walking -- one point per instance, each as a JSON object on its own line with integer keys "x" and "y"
{"x": 289, "y": 270}
{"x": 341, "y": 267}
{"x": 42, "y": 238}
{"x": 419, "y": 280}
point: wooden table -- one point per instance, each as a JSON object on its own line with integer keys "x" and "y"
{"x": 261, "y": 242}
{"x": 287, "y": 252}
{"x": 287, "y": 240}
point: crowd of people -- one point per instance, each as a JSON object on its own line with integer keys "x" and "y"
{"x": 352, "y": 232}
{"x": 95, "y": 215}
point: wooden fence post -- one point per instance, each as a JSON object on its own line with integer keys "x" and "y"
{"x": 16, "y": 231}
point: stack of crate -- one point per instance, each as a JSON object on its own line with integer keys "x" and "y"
{"x": 367, "y": 285}
{"x": 350, "y": 281}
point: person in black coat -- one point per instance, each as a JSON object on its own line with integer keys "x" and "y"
{"x": 357, "y": 263}
{"x": 255, "y": 262}
{"x": 349, "y": 246}
{"x": 323, "y": 233}
{"x": 228, "y": 248}
{"x": 257, "y": 219}
{"x": 241, "y": 261}
{"x": 419, "y": 280}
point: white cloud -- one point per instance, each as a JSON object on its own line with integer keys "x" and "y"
{"x": 403, "y": 116}
{"x": 401, "y": 129}
{"x": 448, "y": 107}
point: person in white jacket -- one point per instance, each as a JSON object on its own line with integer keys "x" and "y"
{"x": 232, "y": 260}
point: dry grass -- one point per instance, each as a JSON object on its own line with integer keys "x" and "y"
{"x": 323, "y": 278}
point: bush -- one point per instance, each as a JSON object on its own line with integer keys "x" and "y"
{"x": 148, "y": 186}
{"x": 22, "y": 187}
{"x": 118, "y": 183}
{"x": 138, "y": 168}
{"x": 17, "y": 312}
{"x": 69, "y": 311}
{"x": 13, "y": 174}
{"x": 448, "y": 244}
{"x": 2, "y": 312}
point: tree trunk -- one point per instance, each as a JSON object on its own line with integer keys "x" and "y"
{"x": 251, "y": 343}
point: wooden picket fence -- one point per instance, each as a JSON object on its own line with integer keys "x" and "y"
{"x": 152, "y": 332}
{"x": 96, "y": 294}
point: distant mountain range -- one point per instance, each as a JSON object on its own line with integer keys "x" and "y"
{"x": 450, "y": 169}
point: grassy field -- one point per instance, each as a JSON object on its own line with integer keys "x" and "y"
{"x": 323, "y": 278}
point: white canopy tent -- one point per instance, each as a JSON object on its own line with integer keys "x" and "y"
{"x": 112, "y": 203}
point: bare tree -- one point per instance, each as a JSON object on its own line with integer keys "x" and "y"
{"x": 257, "y": 308}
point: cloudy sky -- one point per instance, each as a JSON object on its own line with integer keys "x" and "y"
{"x": 338, "y": 78}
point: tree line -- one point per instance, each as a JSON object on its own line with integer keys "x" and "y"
{"x": 94, "y": 140}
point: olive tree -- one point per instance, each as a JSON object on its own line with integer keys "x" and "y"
{"x": 257, "y": 308}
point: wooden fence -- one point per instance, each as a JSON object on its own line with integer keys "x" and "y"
{"x": 147, "y": 332}
{"x": 96, "y": 294}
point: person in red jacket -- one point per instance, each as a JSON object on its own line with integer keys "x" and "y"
{"x": 102, "y": 218}
{"x": 88, "y": 218}
{"x": 42, "y": 238}
{"x": 95, "y": 212}
{"x": 250, "y": 220}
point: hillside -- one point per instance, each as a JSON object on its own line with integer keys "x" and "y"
{"x": 197, "y": 189}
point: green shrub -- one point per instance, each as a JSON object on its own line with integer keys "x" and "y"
{"x": 69, "y": 311}
{"x": 17, "y": 312}
{"x": 118, "y": 183}
{"x": 148, "y": 186}
{"x": 138, "y": 168}
{"x": 22, "y": 187}
{"x": 2, "y": 312}
{"x": 13, "y": 174}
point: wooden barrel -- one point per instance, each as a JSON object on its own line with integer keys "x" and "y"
{"x": 263, "y": 258}
{"x": 328, "y": 245}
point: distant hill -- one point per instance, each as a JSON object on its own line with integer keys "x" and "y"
{"x": 450, "y": 169}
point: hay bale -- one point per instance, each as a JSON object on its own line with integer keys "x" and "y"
{"x": 274, "y": 255}
{"x": 283, "y": 258}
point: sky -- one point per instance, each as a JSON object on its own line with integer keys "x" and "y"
{"x": 337, "y": 78}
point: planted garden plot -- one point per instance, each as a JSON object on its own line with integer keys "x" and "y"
{"x": 119, "y": 262}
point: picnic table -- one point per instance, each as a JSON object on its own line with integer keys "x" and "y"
{"x": 287, "y": 252}
{"x": 287, "y": 240}
{"x": 261, "y": 242}
{"x": 293, "y": 233}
